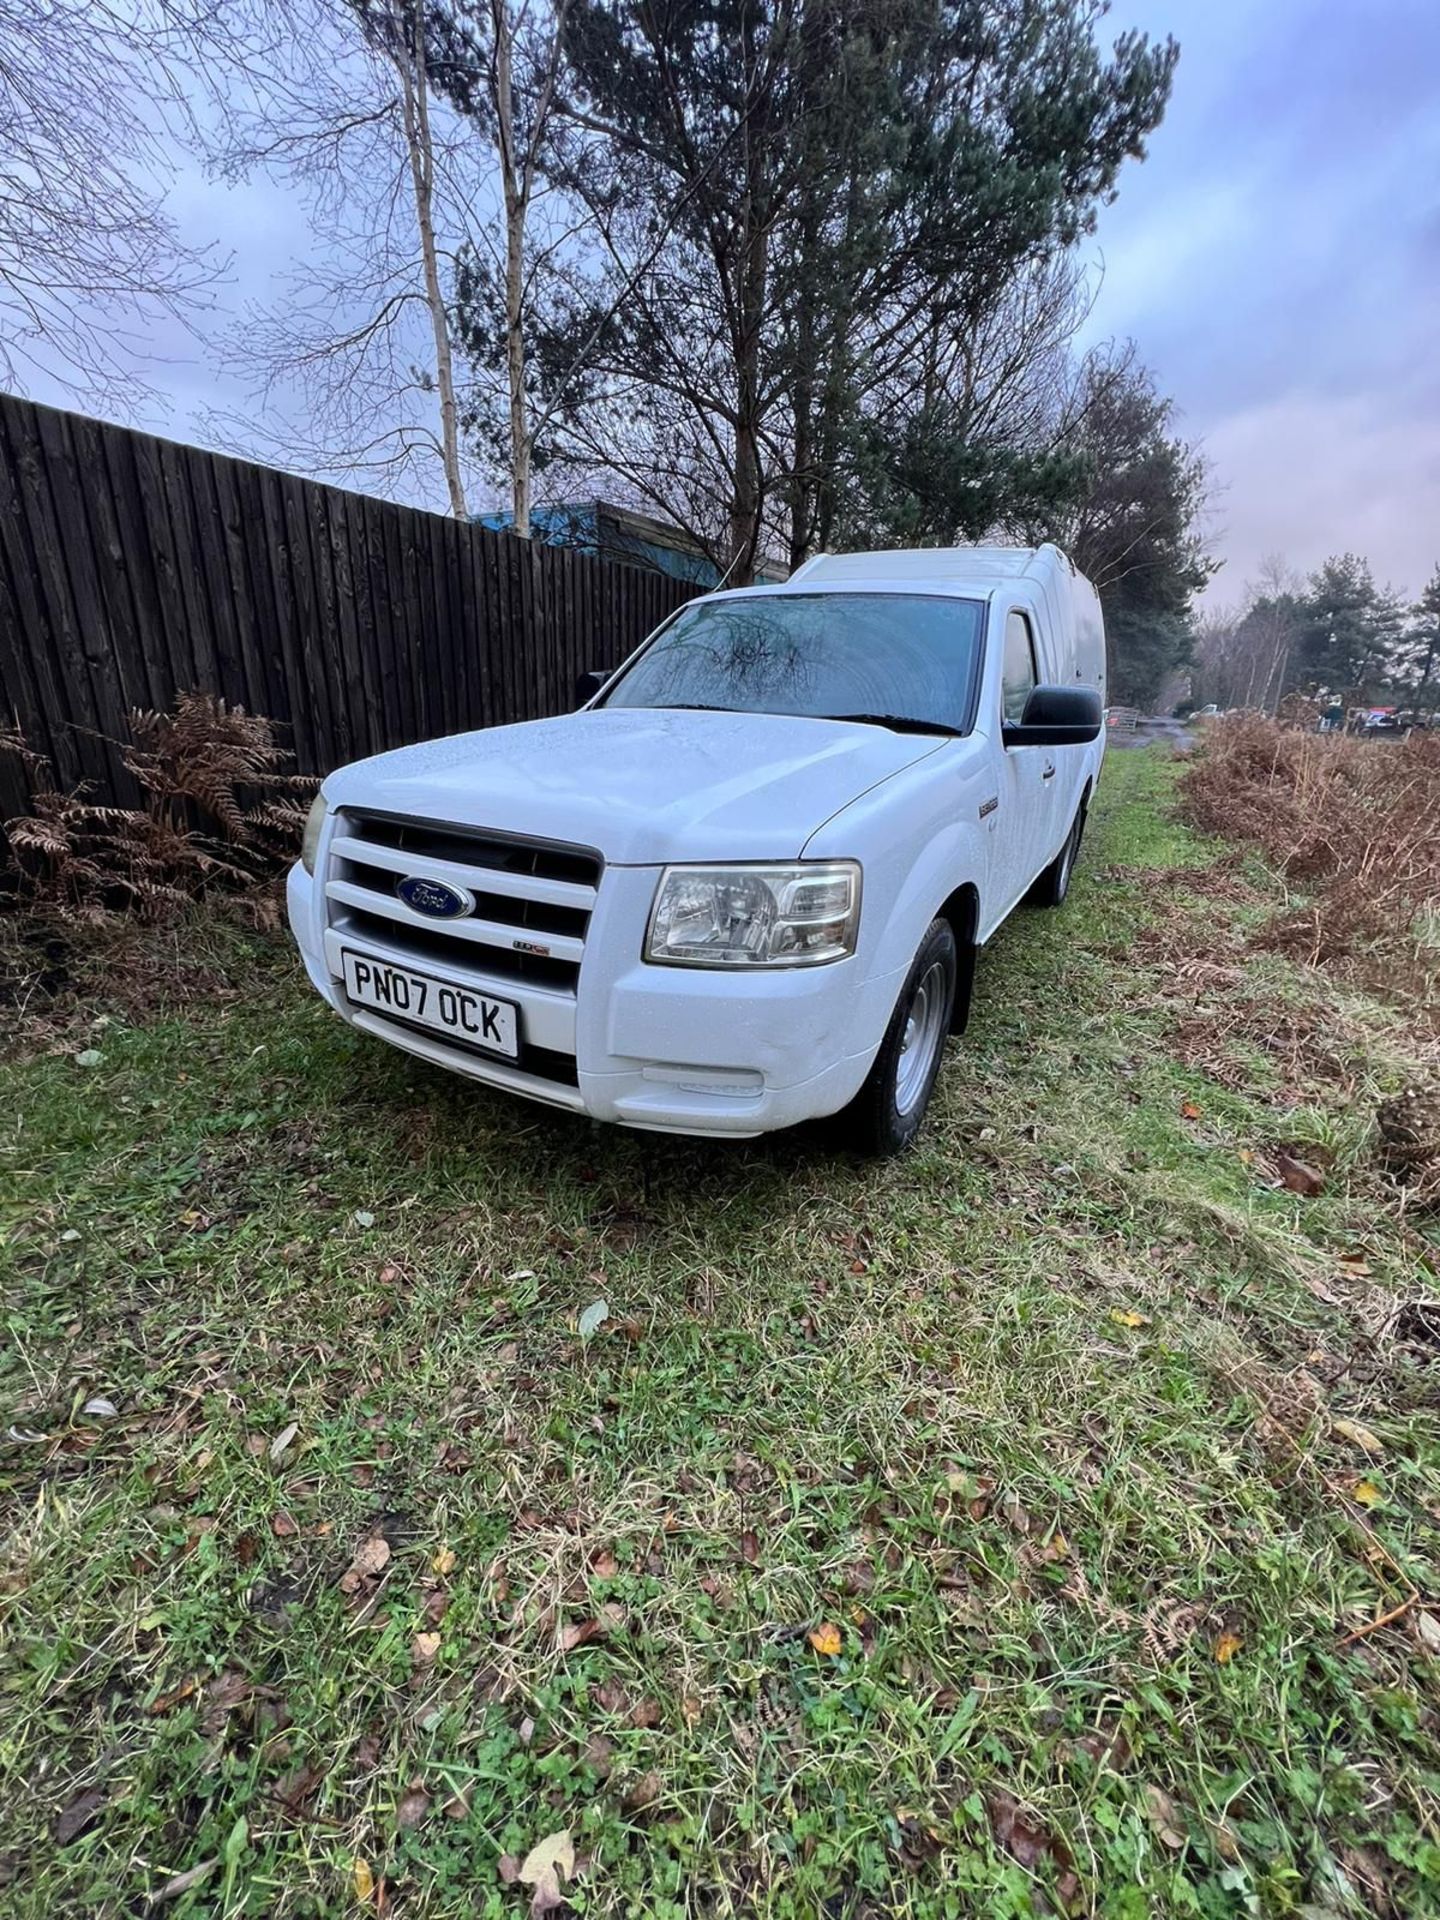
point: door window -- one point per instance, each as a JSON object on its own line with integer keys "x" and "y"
{"x": 1017, "y": 679}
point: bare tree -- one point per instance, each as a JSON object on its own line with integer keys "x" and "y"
{"x": 521, "y": 122}
{"x": 1242, "y": 655}
{"x": 92, "y": 93}
{"x": 353, "y": 107}
{"x": 1269, "y": 631}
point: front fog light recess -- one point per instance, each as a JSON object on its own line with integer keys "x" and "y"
{"x": 755, "y": 916}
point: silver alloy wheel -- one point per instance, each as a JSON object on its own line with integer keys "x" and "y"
{"x": 924, "y": 1037}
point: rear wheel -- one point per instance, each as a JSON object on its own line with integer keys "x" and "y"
{"x": 885, "y": 1115}
{"x": 1054, "y": 883}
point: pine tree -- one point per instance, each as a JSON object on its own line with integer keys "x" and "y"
{"x": 1350, "y": 632}
{"x": 813, "y": 209}
{"x": 1420, "y": 650}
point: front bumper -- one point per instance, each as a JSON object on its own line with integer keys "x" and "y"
{"x": 666, "y": 1049}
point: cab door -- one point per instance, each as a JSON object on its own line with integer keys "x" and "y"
{"x": 1022, "y": 822}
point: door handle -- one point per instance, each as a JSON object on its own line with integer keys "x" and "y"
{"x": 1049, "y": 770}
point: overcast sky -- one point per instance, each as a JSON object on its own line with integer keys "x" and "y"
{"x": 1277, "y": 258}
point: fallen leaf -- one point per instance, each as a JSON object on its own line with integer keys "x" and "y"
{"x": 182, "y": 1882}
{"x": 100, "y": 1408}
{"x": 826, "y": 1638}
{"x": 413, "y": 1806}
{"x": 1357, "y": 1435}
{"x": 282, "y": 1526}
{"x": 599, "y": 1754}
{"x": 508, "y": 1868}
{"x": 1012, "y": 1511}
{"x": 1365, "y": 1493}
{"x": 73, "y": 1819}
{"x": 1298, "y": 1176}
{"x": 282, "y": 1441}
{"x": 444, "y": 1561}
{"x": 690, "y": 1708}
{"x": 750, "y": 1547}
{"x": 1427, "y": 1631}
{"x": 91, "y": 1057}
{"x": 299, "y": 1788}
{"x": 1165, "y": 1817}
{"x": 1127, "y": 1317}
{"x": 424, "y": 1648}
{"x": 1108, "y": 1747}
{"x": 1057, "y": 1547}
{"x": 363, "y": 1217}
{"x": 1227, "y": 1646}
{"x": 372, "y": 1556}
{"x": 544, "y": 1867}
{"x": 1190, "y": 1110}
{"x": 364, "y": 1880}
{"x": 579, "y": 1633}
{"x": 1020, "y": 1837}
{"x": 223, "y": 1695}
{"x": 165, "y": 1701}
{"x": 1357, "y": 1264}
{"x": 605, "y": 1566}
{"x": 592, "y": 1319}
{"x": 645, "y": 1713}
{"x": 645, "y": 1791}
{"x": 1227, "y": 1841}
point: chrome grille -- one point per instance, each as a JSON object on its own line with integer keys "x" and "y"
{"x": 533, "y": 899}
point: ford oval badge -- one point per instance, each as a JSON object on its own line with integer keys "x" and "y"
{"x": 436, "y": 899}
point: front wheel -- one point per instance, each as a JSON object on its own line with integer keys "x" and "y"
{"x": 885, "y": 1115}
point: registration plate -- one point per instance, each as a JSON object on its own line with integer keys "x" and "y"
{"x": 457, "y": 1011}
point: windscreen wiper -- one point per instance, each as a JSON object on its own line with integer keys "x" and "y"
{"x": 900, "y": 722}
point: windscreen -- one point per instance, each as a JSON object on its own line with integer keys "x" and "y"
{"x": 902, "y": 659}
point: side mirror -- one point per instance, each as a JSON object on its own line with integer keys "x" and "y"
{"x": 1056, "y": 717}
{"x": 587, "y": 685}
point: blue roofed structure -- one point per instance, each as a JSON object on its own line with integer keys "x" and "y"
{"x": 610, "y": 532}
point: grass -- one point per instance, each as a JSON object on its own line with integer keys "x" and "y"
{"x": 1038, "y": 1425}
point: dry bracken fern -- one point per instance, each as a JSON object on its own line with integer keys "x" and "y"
{"x": 222, "y": 810}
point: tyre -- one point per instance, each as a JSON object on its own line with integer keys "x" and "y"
{"x": 885, "y": 1115}
{"x": 1054, "y": 883}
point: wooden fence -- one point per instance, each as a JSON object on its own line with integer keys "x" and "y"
{"x": 132, "y": 568}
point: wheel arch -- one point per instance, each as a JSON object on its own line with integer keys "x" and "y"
{"x": 962, "y": 910}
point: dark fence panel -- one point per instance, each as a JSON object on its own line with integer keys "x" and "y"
{"x": 132, "y": 568}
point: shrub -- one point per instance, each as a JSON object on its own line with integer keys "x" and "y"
{"x": 222, "y": 810}
{"x": 1356, "y": 823}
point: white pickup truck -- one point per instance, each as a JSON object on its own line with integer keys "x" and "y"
{"x": 743, "y": 885}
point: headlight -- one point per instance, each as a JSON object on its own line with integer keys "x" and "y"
{"x": 791, "y": 916}
{"x": 314, "y": 827}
